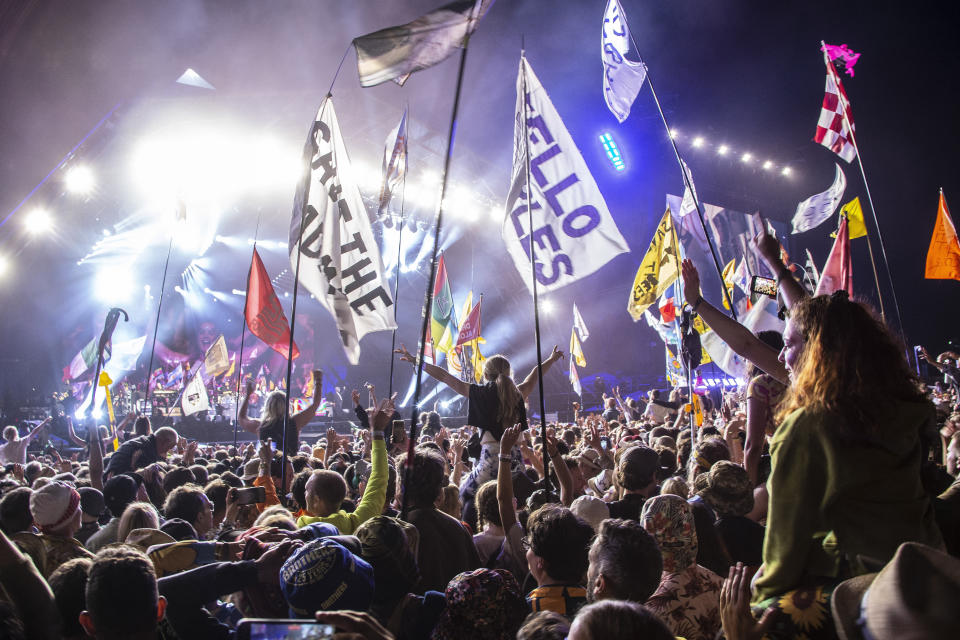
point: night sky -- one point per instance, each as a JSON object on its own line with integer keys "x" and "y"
{"x": 746, "y": 74}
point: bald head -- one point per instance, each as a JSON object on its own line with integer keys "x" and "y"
{"x": 166, "y": 439}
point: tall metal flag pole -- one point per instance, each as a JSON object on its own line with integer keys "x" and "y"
{"x": 533, "y": 276}
{"x": 686, "y": 181}
{"x": 243, "y": 334}
{"x": 156, "y": 324}
{"x": 428, "y": 298}
{"x": 873, "y": 211}
{"x": 396, "y": 285}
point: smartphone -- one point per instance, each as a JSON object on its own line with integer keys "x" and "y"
{"x": 252, "y": 495}
{"x": 763, "y": 286}
{"x": 604, "y": 443}
{"x": 399, "y": 431}
{"x": 276, "y": 629}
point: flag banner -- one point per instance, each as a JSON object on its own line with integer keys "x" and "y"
{"x": 666, "y": 332}
{"x": 454, "y": 364}
{"x": 818, "y": 208}
{"x": 943, "y": 256}
{"x": 470, "y": 327}
{"x": 676, "y": 375}
{"x": 856, "y": 226}
{"x": 728, "y": 276}
{"x": 838, "y": 271}
{"x": 835, "y": 127}
{"x": 761, "y": 317}
{"x": 195, "y": 397}
{"x": 668, "y": 310}
{"x": 396, "y": 52}
{"x": 263, "y": 312}
{"x": 340, "y": 259}
{"x": 477, "y": 361}
{"x": 576, "y": 350}
{"x": 658, "y": 270}
{"x": 688, "y": 204}
{"x": 622, "y": 78}
{"x": 843, "y": 54}
{"x": 441, "y": 313}
{"x": 394, "y": 163}
{"x": 125, "y": 354}
{"x": 575, "y": 379}
{"x": 812, "y": 271}
{"x": 216, "y": 360}
{"x": 579, "y": 324}
{"x": 174, "y": 378}
{"x": 573, "y": 230}
{"x": 86, "y": 359}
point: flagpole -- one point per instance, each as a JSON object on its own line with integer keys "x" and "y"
{"x": 396, "y": 286}
{"x": 686, "y": 181}
{"x": 676, "y": 324}
{"x": 156, "y": 325}
{"x": 533, "y": 277}
{"x": 428, "y": 298}
{"x": 243, "y": 333}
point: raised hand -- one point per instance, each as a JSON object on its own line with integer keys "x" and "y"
{"x": 556, "y": 355}
{"x": 405, "y": 355}
{"x": 332, "y": 438}
{"x": 355, "y": 396}
{"x": 509, "y": 439}
{"x": 766, "y": 244}
{"x": 249, "y": 387}
{"x": 691, "y": 282}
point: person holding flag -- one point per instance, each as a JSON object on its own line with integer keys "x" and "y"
{"x": 494, "y": 406}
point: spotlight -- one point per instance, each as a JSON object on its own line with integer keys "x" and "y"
{"x": 79, "y": 180}
{"x": 146, "y": 288}
{"x": 107, "y": 233}
{"x": 612, "y": 151}
{"x": 112, "y": 285}
{"x": 767, "y": 165}
{"x": 3, "y": 265}
{"x": 547, "y": 306}
{"x": 206, "y": 289}
{"x": 722, "y": 150}
{"x": 496, "y": 212}
{"x": 239, "y": 292}
{"x": 747, "y": 157}
{"x": 673, "y": 134}
{"x": 38, "y": 221}
{"x": 698, "y": 142}
{"x": 785, "y": 171}
{"x": 179, "y": 290}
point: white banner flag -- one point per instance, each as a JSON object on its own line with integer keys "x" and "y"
{"x": 573, "y": 231}
{"x": 195, "y": 397}
{"x": 761, "y": 317}
{"x": 394, "y": 163}
{"x": 688, "y": 204}
{"x": 622, "y": 78}
{"x": 579, "y": 324}
{"x": 340, "y": 261}
{"x": 817, "y": 209}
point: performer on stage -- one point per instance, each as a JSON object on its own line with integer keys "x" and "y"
{"x": 275, "y": 410}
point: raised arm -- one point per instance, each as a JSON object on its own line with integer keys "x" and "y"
{"x": 303, "y": 418}
{"x": 96, "y": 458}
{"x": 441, "y": 375}
{"x": 563, "y": 473}
{"x": 737, "y": 336}
{"x": 249, "y": 425}
{"x": 769, "y": 249}
{"x": 30, "y": 436}
{"x": 72, "y": 435}
{"x": 508, "y": 512}
{"x": 526, "y": 387}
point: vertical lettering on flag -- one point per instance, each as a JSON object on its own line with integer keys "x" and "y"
{"x": 818, "y": 208}
{"x": 658, "y": 269}
{"x": 622, "y": 78}
{"x": 394, "y": 163}
{"x": 573, "y": 231}
{"x": 340, "y": 260}
{"x": 579, "y": 324}
{"x": 943, "y": 256}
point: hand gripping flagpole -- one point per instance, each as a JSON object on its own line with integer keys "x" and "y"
{"x": 243, "y": 334}
{"x": 873, "y": 211}
{"x": 533, "y": 277}
{"x": 428, "y": 298}
{"x": 396, "y": 285}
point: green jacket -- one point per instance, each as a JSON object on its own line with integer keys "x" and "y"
{"x": 833, "y": 503}
{"x": 373, "y": 499}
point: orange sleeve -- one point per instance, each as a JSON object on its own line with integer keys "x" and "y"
{"x": 267, "y": 483}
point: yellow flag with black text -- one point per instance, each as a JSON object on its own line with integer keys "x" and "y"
{"x": 658, "y": 270}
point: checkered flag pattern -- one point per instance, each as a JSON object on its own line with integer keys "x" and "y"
{"x": 833, "y": 130}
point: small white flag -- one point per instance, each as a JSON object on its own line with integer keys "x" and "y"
{"x": 216, "y": 360}
{"x": 688, "y": 204}
{"x": 573, "y": 230}
{"x": 819, "y": 208}
{"x": 394, "y": 163}
{"x": 575, "y": 378}
{"x": 195, "y": 397}
{"x": 622, "y": 78}
{"x": 579, "y": 324}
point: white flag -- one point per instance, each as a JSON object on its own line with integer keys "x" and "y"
{"x": 394, "y": 163}
{"x": 622, "y": 78}
{"x": 340, "y": 260}
{"x": 761, "y": 317}
{"x": 575, "y": 378}
{"x": 817, "y": 209}
{"x": 573, "y": 231}
{"x": 216, "y": 360}
{"x": 195, "y": 397}
{"x": 688, "y": 204}
{"x": 579, "y": 324}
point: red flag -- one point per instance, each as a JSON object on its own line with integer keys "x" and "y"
{"x": 837, "y": 272}
{"x": 668, "y": 310}
{"x": 835, "y": 127}
{"x": 263, "y": 311}
{"x": 470, "y": 329}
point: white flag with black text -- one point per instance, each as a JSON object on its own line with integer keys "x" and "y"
{"x": 339, "y": 258}
{"x": 622, "y": 78}
{"x": 573, "y": 231}
{"x": 819, "y": 208}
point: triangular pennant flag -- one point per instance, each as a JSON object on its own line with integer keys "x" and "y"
{"x": 575, "y": 378}
{"x": 579, "y": 324}
{"x": 470, "y": 327}
{"x": 658, "y": 270}
{"x": 837, "y": 272}
{"x": 192, "y": 78}
{"x": 668, "y": 310}
{"x": 576, "y": 350}
{"x": 943, "y": 256}
{"x": 263, "y": 312}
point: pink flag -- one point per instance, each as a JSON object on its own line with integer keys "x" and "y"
{"x": 842, "y": 53}
{"x": 837, "y": 272}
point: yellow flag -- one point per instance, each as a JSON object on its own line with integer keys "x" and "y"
{"x": 478, "y": 360}
{"x": 856, "y": 227}
{"x": 658, "y": 270}
{"x": 467, "y": 307}
{"x": 943, "y": 256}
{"x": 728, "y": 275}
{"x": 576, "y": 351}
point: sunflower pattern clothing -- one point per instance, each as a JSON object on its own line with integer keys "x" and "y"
{"x": 688, "y": 602}
{"x": 800, "y": 613}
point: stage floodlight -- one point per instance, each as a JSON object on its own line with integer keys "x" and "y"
{"x": 722, "y": 150}
{"x": 747, "y": 157}
{"x": 768, "y": 165}
{"x": 38, "y": 221}
{"x": 613, "y": 151}
{"x": 674, "y": 134}
{"x": 785, "y": 171}
{"x": 79, "y": 180}
{"x": 698, "y": 142}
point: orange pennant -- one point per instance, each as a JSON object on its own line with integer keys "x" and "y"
{"x": 943, "y": 256}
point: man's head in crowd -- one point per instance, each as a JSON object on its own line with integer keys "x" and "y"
{"x": 618, "y": 619}
{"x": 69, "y": 586}
{"x": 166, "y": 438}
{"x": 625, "y": 562}
{"x": 559, "y": 543}
{"x": 10, "y": 433}
{"x": 216, "y": 491}
{"x": 190, "y": 504}
{"x": 544, "y": 625}
{"x": 426, "y": 477}
{"x": 118, "y": 492}
{"x": 56, "y": 509}
{"x": 15, "y": 513}
{"x": 325, "y": 575}
{"x": 325, "y": 492}
{"x": 122, "y": 597}
{"x": 637, "y": 470}
{"x": 142, "y": 426}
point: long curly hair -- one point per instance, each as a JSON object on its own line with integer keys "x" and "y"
{"x": 851, "y": 365}
{"x": 497, "y": 369}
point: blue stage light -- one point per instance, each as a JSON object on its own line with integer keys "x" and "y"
{"x": 612, "y": 151}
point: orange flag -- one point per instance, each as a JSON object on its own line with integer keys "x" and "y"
{"x": 943, "y": 256}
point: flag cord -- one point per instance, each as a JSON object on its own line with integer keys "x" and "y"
{"x": 339, "y": 66}
{"x": 533, "y": 277}
{"x": 876, "y": 279}
{"x": 243, "y": 333}
{"x": 428, "y": 298}
{"x": 396, "y": 286}
{"x": 156, "y": 327}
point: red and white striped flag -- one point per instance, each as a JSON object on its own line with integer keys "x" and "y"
{"x": 833, "y": 130}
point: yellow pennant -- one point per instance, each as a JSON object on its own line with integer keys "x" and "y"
{"x": 856, "y": 227}
{"x": 105, "y": 382}
{"x": 576, "y": 350}
{"x": 658, "y": 270}
{"x": 728, "y": 275}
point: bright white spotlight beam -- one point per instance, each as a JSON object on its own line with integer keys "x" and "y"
{"x": 79, "y": 179}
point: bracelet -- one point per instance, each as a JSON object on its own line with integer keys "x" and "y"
{"x": 783, "y": 273}
{"x": 378, "y": 435}
{"x": 504, "y": 458}
{"x": 696, "y": 303}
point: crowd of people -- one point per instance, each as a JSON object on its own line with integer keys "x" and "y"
{"x": 820, "y": 501}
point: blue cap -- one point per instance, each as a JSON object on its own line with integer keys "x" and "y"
{"x": 323, "y": 575}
